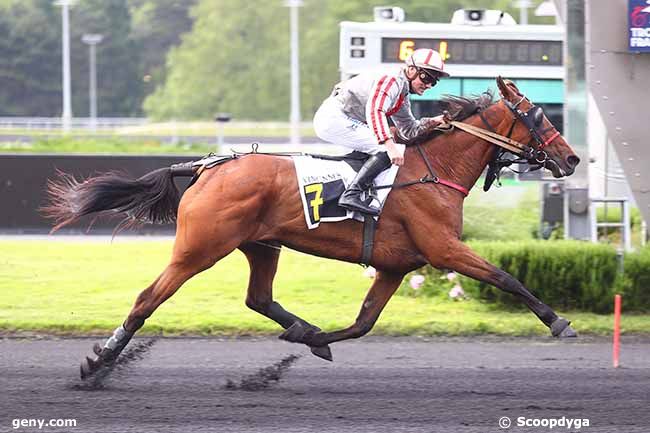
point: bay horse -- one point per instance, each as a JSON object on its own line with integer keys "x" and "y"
{"x": 252, "y": 203}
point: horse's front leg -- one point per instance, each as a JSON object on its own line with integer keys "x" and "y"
{"x": 382, "y": 289}
{"x": 460, "y": 258}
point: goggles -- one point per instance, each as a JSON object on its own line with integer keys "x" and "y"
{"x": 427, "y": 77}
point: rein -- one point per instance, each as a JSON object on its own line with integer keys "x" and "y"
{"x": 531, "y": 118}
{"x": 508, "y": 144}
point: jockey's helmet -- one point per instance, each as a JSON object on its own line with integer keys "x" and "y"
{"x": 427, "y": 59}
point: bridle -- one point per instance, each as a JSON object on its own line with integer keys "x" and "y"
{"x": 532, "y": 154}
{"x": 532, "y": 119}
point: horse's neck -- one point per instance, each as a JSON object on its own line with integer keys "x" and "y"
{"x": 458, "y": 156}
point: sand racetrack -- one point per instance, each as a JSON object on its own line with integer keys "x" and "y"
{"x": 375, "y": 384}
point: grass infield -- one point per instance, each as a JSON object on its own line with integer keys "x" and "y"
{"x": 81, "y": 287}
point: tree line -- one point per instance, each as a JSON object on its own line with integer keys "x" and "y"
{"x": 183, "y": 59}
{"x": 130, "y": 59}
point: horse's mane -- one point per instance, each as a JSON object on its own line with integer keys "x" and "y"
{"x": 459, "y": 108}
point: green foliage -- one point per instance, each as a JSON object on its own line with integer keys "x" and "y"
{"x": 635, "y": 283}
{"x": 30, "y": 59}
{"x": 156, "y": 27}
{"x": 613, "y": 215}
{"x": 30, "y": 53}
{"x": 227, "y": 63}
{"x": 499, "y": 216}
{"x": 119, "y": 87}
{"x": 500, "y": 223}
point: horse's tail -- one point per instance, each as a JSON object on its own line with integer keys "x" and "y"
{"x": 153, "y": 198}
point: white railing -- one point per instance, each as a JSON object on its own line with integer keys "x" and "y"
{"x": 624, "y": 225}
{"x": 113, "y": 123}
{"x": 52, "y": 123}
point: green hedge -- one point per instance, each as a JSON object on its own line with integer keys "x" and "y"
{"x": 634, "y": 284}
{"x": 563, "y": 274}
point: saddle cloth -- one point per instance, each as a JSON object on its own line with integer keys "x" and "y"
{"x": 321, "y": 182}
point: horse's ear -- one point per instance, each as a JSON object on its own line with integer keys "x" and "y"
{"x": 507, "y": 89}
{"x": 513, "y": 86}
{"x": 504, "y": 91}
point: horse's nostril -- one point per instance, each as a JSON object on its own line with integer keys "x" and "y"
{"x": 573, "y": 161}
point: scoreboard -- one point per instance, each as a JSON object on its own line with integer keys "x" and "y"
{"x": 512, "y": 51}
{"x": 477, "y": 52}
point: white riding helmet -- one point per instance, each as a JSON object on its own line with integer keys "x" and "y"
{"x": 426, "y": 58}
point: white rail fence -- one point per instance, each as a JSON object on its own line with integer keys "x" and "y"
{"x": 114, "y": 123}
{"x": 52, "y": 123}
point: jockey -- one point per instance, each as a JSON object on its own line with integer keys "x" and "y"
{"x": 355, "y": 116}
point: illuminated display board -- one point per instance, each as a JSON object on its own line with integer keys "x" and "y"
{"x": 477, "y": 51}
{"x": 639, "y": 26}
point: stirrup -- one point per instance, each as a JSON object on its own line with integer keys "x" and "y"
{"x": 355, "y": 204}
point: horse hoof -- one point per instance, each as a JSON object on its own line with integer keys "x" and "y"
{"x": 323, "y": 352}
{"x": 568, "y": 332}
{"x": 299, "y": 333}
{"x": 560, "y": 328}
{"x": 97, "y": 349}
{"x": 89, "y": 366}
{"x": 294, "y": 333}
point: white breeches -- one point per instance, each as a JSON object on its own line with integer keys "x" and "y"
{"x": 331, "y": 124}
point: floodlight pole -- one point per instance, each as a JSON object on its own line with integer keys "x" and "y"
{"x": 523, "y": 6}
{"x": 295, "y": 72}
{"x": 92, "y": 40}
{"x": 66, "y": 117}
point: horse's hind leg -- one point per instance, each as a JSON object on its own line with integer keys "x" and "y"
{"x": 188, "y": 259}
{"x": 263, "y": 261}
{"x": 148, "y": 300}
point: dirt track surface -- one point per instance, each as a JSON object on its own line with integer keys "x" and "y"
{"x": 374, "y": 385}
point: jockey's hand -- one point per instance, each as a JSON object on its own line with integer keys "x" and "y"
{"x": 439, "y": 120}
{"x": 395, "y": 153}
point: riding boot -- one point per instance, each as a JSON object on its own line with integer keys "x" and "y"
{"x": 351, "y": 198}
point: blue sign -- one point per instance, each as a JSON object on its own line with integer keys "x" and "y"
{"x": 639, "y": 25}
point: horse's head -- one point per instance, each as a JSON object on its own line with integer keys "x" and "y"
{"x": 530, "y": 125}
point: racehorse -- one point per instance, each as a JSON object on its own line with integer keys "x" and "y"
{"x": 252, "y": 203}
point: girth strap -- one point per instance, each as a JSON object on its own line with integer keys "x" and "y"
{"x": 369, "y": 227}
